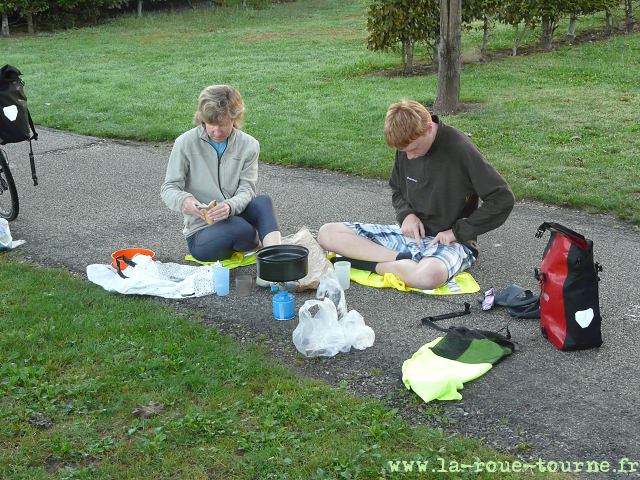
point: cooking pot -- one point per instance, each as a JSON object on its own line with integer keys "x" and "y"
{"x": 282, "y": 263}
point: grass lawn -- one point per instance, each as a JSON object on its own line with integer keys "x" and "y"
{"x": 562, "y": 127}
{"x": 76, "y": 361}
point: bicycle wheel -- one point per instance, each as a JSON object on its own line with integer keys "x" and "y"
{"x": 8, "y": 194}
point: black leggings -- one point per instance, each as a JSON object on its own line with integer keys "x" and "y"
{"x": 240, "y": 233}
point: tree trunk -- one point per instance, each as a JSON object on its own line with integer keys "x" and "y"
{"x": 407, "y": 56}
{"x": 485, "y": 35}
{"x": 628, "y": 12}
{"x": 519, "y": 38}
{"x": 448, "y": 90}
{"x": 30, "y": 29}
{"x": 609, "y": 21}
{"x": 5, "y": 25}
{"x": 404, "y": 56}
{"x": 546, "y": 37}
{"x": 571, "y": 31}
{"x": 434, "y": 53}
{"x": 139, "y": 8}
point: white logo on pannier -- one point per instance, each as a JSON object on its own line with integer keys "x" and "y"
{"x": 584, "y": 317}
{"x": 11, "y": 112}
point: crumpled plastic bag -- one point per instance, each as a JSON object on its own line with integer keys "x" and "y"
{"x": 330, "y": 287}
{"x": 323, "y": 335}
{"x": 356, "y": 333}
{"x": 149, "y": 277}
{"x": 319, "y": 334}
{"x": 6, "y": 241}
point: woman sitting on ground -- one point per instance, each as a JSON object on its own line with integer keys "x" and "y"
{"x": 217, "y": 161}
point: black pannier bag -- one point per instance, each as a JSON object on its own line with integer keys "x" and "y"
{"x": 569, "y": 301}
{"x": 15, "y": 120}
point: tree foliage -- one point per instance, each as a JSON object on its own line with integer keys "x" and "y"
{"x": 400, "y": 24}
{"x": 394, "y": 24}
{"x": 7, "y": 7}
{"x": 485, "y": 10}
{"x": 56, "y": 14}
{"x": 61, "y": 14}
{"x": 547, "y": 14}
{"x": 29, "y": 8}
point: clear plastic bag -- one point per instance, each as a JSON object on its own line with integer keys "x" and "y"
{"x": 330, "y": 287}
{"x": 319, "y": 334}
{"x": 5, "y": 234}
{"x": 357, "y": 334}
{"x": 6, "y": 241}
{"x": 331, "y": 329}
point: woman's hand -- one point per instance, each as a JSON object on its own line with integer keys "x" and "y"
{"x": 190, "y": 207}
{"x": 219, "y": 212}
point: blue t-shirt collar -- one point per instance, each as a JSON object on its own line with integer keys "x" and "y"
{"x": 220, "y": 147}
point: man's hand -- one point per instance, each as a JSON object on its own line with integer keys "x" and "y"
{"x": 413, "y": 227}
{"x": 446, "y": 238}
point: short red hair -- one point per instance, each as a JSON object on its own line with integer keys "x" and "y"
{"x": 406, "y": 121}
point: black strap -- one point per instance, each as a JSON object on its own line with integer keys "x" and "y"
{"x": 126, "y": 260}
{"x": 430, "y": 320}
{"x": 504, "y": 340}
{"x": 428, "y": 323}
{"x": 464, "y": 332}
{"x": 575, "y": 237}
{"x": 33, "y": 128}
{"x": 32, "y": 161}
{"x": 556, "y": 226}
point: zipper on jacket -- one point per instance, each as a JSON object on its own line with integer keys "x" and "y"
{"x": 219, "y": 162}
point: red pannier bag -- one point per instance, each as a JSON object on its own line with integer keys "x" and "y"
{"x": 569, "y": 301}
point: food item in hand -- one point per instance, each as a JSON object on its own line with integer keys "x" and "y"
{"x": 206, "y": 210}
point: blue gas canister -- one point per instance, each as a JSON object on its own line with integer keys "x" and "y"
{"x": 284, "y": 307}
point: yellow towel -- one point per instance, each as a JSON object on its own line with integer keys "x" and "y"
{"x": 461, "y": 283}
{"x": 237, "y": 260}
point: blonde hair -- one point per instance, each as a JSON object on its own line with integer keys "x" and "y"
{"x": 219, "y": 104}
{"x": 405, "y": 122}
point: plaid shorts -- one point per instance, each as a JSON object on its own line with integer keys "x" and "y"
{"x": 457, "y": 257}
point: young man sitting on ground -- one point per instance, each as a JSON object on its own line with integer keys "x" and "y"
{"x": 438, "y": 176}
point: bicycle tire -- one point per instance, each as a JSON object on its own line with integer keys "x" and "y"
{"x": 7, "y": 185}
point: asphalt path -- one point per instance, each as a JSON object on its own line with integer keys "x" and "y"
{"x": 97, "y": 196}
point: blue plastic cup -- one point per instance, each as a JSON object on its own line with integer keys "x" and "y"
{"x": 221, "y": 281}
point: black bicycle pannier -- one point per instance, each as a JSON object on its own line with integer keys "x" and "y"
{"x": 15, "y": 120}
{"x": 569, "y": 301}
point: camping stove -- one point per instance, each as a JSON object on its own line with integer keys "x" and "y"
{"x": 281, "y": 264}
